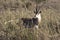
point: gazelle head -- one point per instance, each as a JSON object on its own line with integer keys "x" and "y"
{"x": 37, "y": 10}
{"x": 38, "y": 13}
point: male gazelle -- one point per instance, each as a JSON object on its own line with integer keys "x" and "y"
{"x": 33, "y": 22}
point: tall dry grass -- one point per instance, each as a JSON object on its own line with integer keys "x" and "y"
{"x": 49, "y": 28}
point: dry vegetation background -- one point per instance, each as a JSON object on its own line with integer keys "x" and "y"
{"x": 49, "y": 29}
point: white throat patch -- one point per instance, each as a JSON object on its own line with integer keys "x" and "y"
{"x": 39, "y": 17}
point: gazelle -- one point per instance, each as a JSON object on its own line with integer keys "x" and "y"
{"x": 27, "y": 22}
{"x": 38, "y": 16}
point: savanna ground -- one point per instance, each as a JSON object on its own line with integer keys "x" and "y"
{"x": 49, "y": 28}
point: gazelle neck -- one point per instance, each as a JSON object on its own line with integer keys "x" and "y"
{"x": 38, "y": 16}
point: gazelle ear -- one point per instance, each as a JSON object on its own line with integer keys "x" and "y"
{"x": 40, "y": 12}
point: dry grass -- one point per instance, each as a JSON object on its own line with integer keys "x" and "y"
{"x": 49, "y": 29}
